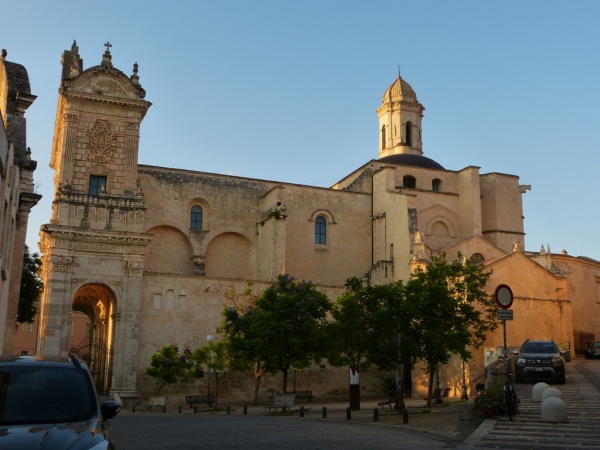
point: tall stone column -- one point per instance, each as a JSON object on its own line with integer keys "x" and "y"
{"x": 126, "y": 335}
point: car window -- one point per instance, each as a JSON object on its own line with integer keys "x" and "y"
{"x": 45, "y": 395}
{"x": 596, "y": 344}
{"x": 539, "y": 347}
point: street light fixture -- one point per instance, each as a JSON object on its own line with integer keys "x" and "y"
{"x": 209, "y": 338}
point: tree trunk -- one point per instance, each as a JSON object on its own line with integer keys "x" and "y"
{"x": 430, "y": 388}
{"x": 258, "y": 373}
{"x": 285, "y": 374}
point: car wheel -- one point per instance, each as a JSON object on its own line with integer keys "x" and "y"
{"x": 562, "y": 380}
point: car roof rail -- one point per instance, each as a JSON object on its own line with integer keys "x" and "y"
{"x": 75, "y": 360}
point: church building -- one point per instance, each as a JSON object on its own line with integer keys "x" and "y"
{"x": 148, "y": 253}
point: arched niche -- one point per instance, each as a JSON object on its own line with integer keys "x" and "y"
{"x": 169, "y": 252}
{"x": 229, "y": 255}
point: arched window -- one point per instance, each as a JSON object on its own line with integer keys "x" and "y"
{"x": 477, "y": 258}
{"x": 320, "y": 230}
{"x": 409, "y": 134}
{"x": 383, "y": 141}
{"x": 436, "y": 185}
{"x": 409, "y": 182}
{"x": 196, "y": 218}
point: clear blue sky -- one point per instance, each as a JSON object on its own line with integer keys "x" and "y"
{"x": 287, "y": 91}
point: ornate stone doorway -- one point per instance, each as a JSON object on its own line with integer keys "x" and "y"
{"x": 98, "y": 303}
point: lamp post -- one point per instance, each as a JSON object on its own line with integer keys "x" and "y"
{"x": 464, "y": 395}
{"x": 209, "y": 338}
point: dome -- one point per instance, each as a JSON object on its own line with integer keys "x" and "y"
{"x": 398, "y": 91}
{"x": 411, "y": 160}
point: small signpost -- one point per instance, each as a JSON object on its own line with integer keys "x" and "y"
{"x": 504, "y": 299}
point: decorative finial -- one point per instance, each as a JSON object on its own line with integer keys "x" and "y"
{"x": 106, "y": 57}
{"x": 516, "y": 242}
{"x": 4, "y": 53}
{"x": 134, "y": 77}
{"x": 398, "y": 69}
{"x": 76, "y": 66}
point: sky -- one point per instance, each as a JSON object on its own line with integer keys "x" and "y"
{"x": 287, "y": 90}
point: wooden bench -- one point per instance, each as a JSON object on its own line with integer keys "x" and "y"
{"x": 446, "y": 394}
{"x": 283, "y": 404}
{"x": 191, "y": 399}
{"x": 304, "y": 394}
{"x": 158, "y": 404}
{"x": 390, "y": 403}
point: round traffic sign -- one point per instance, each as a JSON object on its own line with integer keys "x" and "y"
{"x": 504, "y": 296}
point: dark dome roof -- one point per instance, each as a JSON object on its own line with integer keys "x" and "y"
{"x": 411, "y": 160}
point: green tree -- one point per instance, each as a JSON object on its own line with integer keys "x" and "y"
{"x": 366, "y": 326}
{"x": 168, "y": 366}
{"x": 31, "y": 287}
{"x": 287, "y": 326}
{"x": 215, "y": 358}
{"x": 447, "y": 311}
{"x": 243, "y": 346}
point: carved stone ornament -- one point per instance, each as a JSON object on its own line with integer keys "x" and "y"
{"x": 101, "y": 142}
{"x": 133, "y": 268}
{"x": 76, "y": 281}
{"x": 117, "y": 285}
{"x": 62, "y": 263}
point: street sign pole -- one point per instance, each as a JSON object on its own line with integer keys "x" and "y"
{"x": 504, "y": 299}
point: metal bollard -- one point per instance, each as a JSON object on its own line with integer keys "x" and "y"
{"x": 228, "y": 409}
{"x": 195, "y": 409}
{"x": 245, "y": 410}
{"x": 164, "y": 408}
{"x": 405, "y": 415}
{"x": 302, "y": 411}
{"x": 133, "y": 408}
{"x": 179, "y": 409}
{"x": 375, "y": 415}
{"x": 348, "y": 413}
{"x": 324, "y": 412}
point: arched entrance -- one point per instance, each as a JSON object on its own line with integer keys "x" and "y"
{"x": 98, "y": 303}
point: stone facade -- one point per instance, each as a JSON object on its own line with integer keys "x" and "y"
{"x": 16, "y": 191}
{"x": 149, "y": 252}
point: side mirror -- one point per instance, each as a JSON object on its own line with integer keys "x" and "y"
{"x": 110, "y": 409}
{"x": 515, "y": 352}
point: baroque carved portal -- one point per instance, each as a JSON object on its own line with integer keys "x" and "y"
{"x": 101, "y": 142}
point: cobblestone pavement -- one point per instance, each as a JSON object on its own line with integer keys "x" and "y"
{"x": 204, "y": 431}
{"x": 527, "y": 431}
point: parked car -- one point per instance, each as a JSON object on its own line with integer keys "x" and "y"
{"x": 51, "y": 403}
{"x": 539, "y": 360}
{"x": 593, "y": 350}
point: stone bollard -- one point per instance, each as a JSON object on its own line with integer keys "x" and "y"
{"x": 302, "y": 411}
{"x": 324, "y": 412}
{"x": 537, "y": 390}
{"x": 245, "y": 410}
{"x": 551, "y": 392}
{"x": 554, "y": 410}
{"x": 375, "y": 415}
{"x": 348, "y": 413}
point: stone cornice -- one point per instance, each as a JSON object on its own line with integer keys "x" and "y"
{"x": 73, "y": 234}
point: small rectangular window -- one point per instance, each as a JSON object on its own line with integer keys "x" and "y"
{"x": 24, "y": 352}
{"x": 96, "y": 183}
{"x": 27, "y": 328}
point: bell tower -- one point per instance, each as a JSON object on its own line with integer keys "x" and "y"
{"x": 93, "y": 248}
{"x": 400, "y": 117}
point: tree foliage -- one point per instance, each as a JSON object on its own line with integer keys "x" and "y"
{"x": 31, "y": 287}
{"x": 168, "y": 366}
{"x": 443, "y": 309}
{"x": 215, "y": 358}
{"x": 286, "y": 326}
